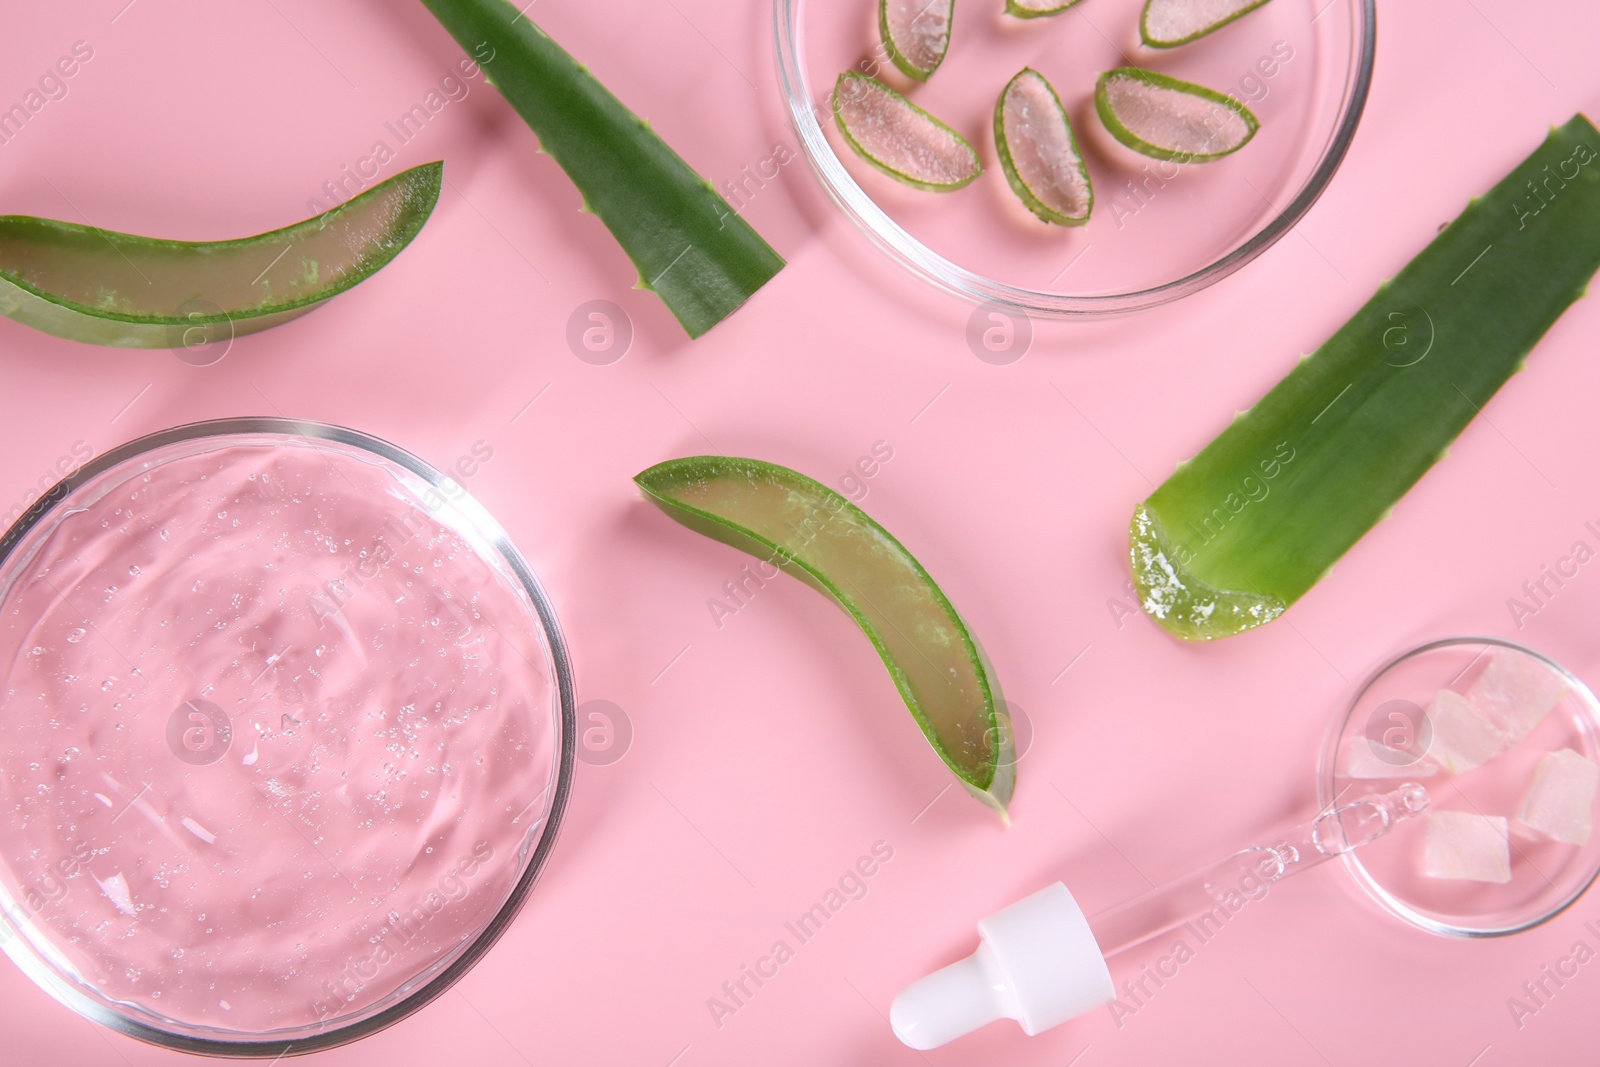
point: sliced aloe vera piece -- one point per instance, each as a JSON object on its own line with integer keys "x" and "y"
{"x": 108, "y": 288}
{"x": 901, "y": 139}
{"x": 688, "y": 245}
{"x": 1033, "y": 9}
{"x": 1165, "y": 118}
{"x": 807, "y": 529}
{"x": 1169, "y": 23}
{"x": 1039, "y": 153}
{"x": 916, "y": 34}
{"x": 1241, "y": 531}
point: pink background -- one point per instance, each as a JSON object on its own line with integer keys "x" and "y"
{"x": 771, "y": 753}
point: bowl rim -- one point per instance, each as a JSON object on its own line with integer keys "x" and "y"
{"x": 312, "y": 432}
{"x": 1327, "y": 764}
{"x": 921, "y": 261}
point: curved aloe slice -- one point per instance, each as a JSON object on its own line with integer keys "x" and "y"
{"x": 1169, "y": 23}
{"x": 1033, "y": 9}
{"x": 107, "y": 288}
{"x": 1241, "y": 531}
{"x": 916, "y": 34}
{"x": 690, "y": 248}
{"x": 806, "y": 528}
{"x": 1039, "y": 153}
{"x": 1169, "y": 119}
{"x": 899, "y": 138}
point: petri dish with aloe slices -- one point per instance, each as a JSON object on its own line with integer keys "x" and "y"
{"x": 1159, "y": 230}
{"x": 288, "y": 736}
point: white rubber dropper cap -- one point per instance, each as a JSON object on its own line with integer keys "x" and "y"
{"x": 1038, "y": 963}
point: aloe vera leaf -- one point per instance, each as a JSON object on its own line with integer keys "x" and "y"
{"x": 108, "y": 288}
{"x": 1170, "y": 23}
{"x": 689, "y": 246}
{"x": 1162, "y": 117}
{"x": 916, "y": 34}
{"x": 899, "y": 138}
{"x": 803, "y": 527}
{"x": 1039, "y": 152}
{"x": 1241, "y": 531}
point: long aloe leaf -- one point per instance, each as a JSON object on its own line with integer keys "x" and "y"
{"x": 108, "y": 288}
{"x": 1240, "y": 532}
{"x": 689, "y": 246}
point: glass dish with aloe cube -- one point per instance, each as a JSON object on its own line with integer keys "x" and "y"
{"x": 1159, "y": 230}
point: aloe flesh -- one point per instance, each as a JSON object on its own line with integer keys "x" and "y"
{"x": 108, "y": 288}
{"x": 689, "y": 246}
{"x": 1165, "y": 118}
{"x": 803, "y": 527}
{"x": 1170, "y": 23}
{"x": 901, "y": 139}
{"x": 1039, "y": 152}
{"x": 1244, "y": 529}
{"x": 1035, "y": 9}
{"x": 916, "y": 34}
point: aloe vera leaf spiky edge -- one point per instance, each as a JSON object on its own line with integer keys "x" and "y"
{"x": 942, "y": 676}
{"x": 1240, "y": 532}
{"x": 129, "y": 291}
{"x": 689, "y": 246}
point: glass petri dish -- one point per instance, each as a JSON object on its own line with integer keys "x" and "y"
{"x": 1159, "y": 231}
{"x": 1378, "y": 744}
{"x": 288, "y": 736}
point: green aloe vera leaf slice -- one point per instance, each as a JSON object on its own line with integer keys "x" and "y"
{"x": 108, "y": 288}
{"x": 803, "y": 527}
{"x": 1039, "y": 152}
{"x": 901, "y": 139}
{"x": 1169, "y": 23}
{"x": 1034, "y": 9}
{"x": 688, "y": 245}
{"x": 1241, "y": 531}
{"x": 916, "y": 34}
{"x": 1164, "y": 118}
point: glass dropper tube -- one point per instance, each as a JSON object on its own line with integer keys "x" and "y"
{"x": 1041, "y": 961}
{"x": 1245, "y": 875}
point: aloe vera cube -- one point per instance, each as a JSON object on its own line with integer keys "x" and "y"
{"x": 108, "y": 288}
{"x": 1244, "y": 529}
{"x": 803, "y": 527}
